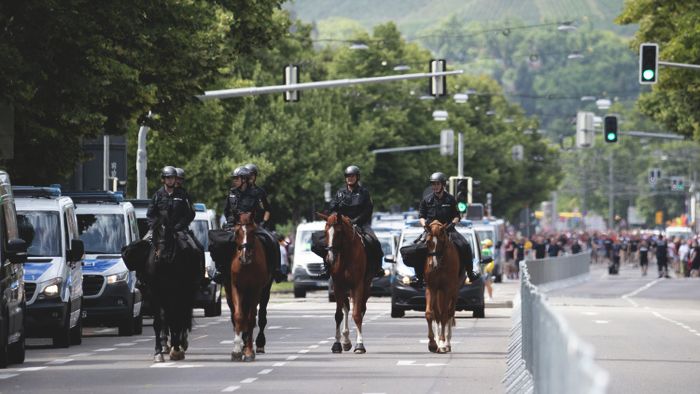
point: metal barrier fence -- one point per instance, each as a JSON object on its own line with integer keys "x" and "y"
{"x": 544, "y": 354}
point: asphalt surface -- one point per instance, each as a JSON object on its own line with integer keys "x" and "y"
{"x": 645, "y": 330}
{"x": 298, "y": 356}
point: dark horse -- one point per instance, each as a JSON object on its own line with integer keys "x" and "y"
{"x": 170, "y": 279}
{"x": 442, "y": 280}
{"x": 351, "y": 278}
{"x": 250, "y": 280}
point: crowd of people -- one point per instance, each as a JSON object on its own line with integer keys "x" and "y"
{"x": 637, "y": 248}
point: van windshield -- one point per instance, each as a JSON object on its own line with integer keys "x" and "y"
{"x": 201, "y": 231}
{"x": 304, "y": 240}
{"x": 102, "y": 233}
{"x": 41, "y": 231}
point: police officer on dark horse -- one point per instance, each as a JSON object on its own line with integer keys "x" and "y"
{"x": 442, "y": 206}
{"x": 354, "y": 201}
{"x": 169, "y": 216}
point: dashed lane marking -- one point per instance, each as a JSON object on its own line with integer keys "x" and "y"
{"x": 80, "y": 355}
{"x": 60, "y": 361}
{"x": 679, "y": 324}
{"x": 30, "y": 369}
{"x": 274, "y": 327}
{"x": 175, "y": 365}
{"x": 412, "y": 363}
{"x": 292, "y": 358}
{"x": 265, "y": 371}
{"x": 322, "y": 342}
{"x": 249, "y": 380}
{"x": 279, "y": 364}
{"x": 125, "y": 344}
{"x": 601, "y": 321}
{"x": 7, "y": 375}
{"x": 230, "y": 389}
{"x": 106, "y": 349}
{"x": 226, "y": 342}
{"x": 303, "y": 351}
{"x": 200, "y": 337}
{"x": 142, "y": 340}
{"x": 313, "y": 346}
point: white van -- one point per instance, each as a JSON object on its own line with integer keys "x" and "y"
{"x": 53, "y": 275}
{"x": 209, "y": 296}
{"x": 307, "y": 265}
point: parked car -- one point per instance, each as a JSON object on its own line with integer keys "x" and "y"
{"x": 408, "y": 294}
{"x": 209, "y": 296}
{"x": 111, "y": 298}
{"x": 12, "y": 294}
{"x": 53, "y": 273}
{"x": 307, "y": 265}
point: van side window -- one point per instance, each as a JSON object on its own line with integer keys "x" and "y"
{"x": 66, "y": 233}
{"x": 72, "y": 224}
{"x": 134, "y": 227}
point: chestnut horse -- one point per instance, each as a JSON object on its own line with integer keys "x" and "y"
{"x": 442, "y": 280}
{"x": 250, "y": 276}
{"x": 351, "y": 278}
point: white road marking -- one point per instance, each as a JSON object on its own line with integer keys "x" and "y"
{"x": 412, "y": 363}
{"x": 589, "y": 313}
{"x": 7, "y": 375}
{"x": 682, "y": 325}
{"x": 405, "y": 362}
{"x": 80, "y": 355}
{"x": 426, "y": 341}
{"x": 226, "y": 342}
{"x": 125, "y": 344}
{"x": 601, "y": 321}
{"x": 162, "y": 365}
{"x": 142, "y": 340}
{"x": 230, "y": 389}
{"x": 200, "y": 337}
{"x": 313, "y": 346}
{"x": 322, "y": 342}
{"x": 106, "y": 349}
{"x": 280, "y": 364}
{"x": 249, "y": 380}
{"x": 303, "y": 351}
{"x": 189, "y": 366}
{"x": 639, "y": 290}
{"x": 292, "y": 358}
{"x": 30, "y": 369}
{"x": 274, "y": 327}
{"x": 265, "y": 371}
{"x": 292, "y": 328}
{"x": 59, "y": 361}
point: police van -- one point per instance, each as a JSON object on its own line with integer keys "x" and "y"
{"x": 307, "y": 265}
{"x": 53, "y": 279}
{"x": 106, "y": 224}
{"x": 209, "y": 296}
{"x": 12, "y": 299}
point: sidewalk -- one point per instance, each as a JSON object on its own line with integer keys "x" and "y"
{"x": 503, "y": 294}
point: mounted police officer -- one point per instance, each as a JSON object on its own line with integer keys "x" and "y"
{"x": 442, "y": 206}
{"x": 354, "y": 201}
{"x": 262, "y": 219}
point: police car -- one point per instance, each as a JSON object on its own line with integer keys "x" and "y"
{"x": 209, "y": 296}
{"x": 408, "y": 294}
{"x": 53, "y": 279}
{"x": 307, "y": 265}
{"x": 12, "y": 299}
{"x": 106, "y": 224}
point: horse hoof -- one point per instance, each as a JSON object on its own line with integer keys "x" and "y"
{"x": 177, "y": 355}
{"x": 236, "y": 356}
{"x": 336, "y": 348}
{"x": 347, "y": 346}
{"x": 360, "y": 349}
{"x": 158, "y": 358}
{"x": 184, "y": 345}
{"x": 433, "y": 347}
{"x": 259, "y": 349}
{"x": 448, "y": 349}
{"x": 249, "y": 358}
{"x": 442, "y": 350}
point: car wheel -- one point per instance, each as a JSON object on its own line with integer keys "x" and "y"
{"x": 76, "y": 333}
{"x": 213, "y": 309}
{"x": 479, "y": 313}
{"x": 4, "y": 351}
{"x": 299, "y": 292}
{"x": 16, "y": 351}
{"x": 127, "y": 326}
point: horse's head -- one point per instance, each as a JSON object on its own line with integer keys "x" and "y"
{"x": 244, "y": 234}
{"x": 436, "y": 241}
{"x": 336, "y": 227}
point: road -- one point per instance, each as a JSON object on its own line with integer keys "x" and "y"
{"x": 298, "y": 359}
{"x": 646, "y": 331}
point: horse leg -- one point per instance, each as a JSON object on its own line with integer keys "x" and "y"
{"x": 442, "y": 320}
{"x": 157, "y": 323}
{"x": 432, "y": 346}
{"x": 339, "y": 306}
{"x": 248, "y": 353}
{"x": 359, "y": 306}
{"x": 262, "y": 319}
{"x": 450, "y": 324}
{"x": 346, "y": 322}
{"x": 237, "y": 317}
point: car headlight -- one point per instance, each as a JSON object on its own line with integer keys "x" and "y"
{"x": 51, "y": 288}
{"x": 406, "y": 280}
{"x": 121, "y": 277}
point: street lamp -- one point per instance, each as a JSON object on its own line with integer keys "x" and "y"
{"x": 402, "y": 67}
{"x": 460, "y": 98}
{"x": 359, "y": 45}
{"x": 440, "y": 115}
{"x": 575, "y": 56}
{"x": 567, "y": 27}
{"x": 603, "y": 103}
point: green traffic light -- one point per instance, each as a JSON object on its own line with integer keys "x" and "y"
{"x": 462, "y": 206}
{"x": 648, "y": 75}
{"x": 611, "y": 136}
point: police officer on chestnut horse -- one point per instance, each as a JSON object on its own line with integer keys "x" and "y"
{"x": 354, "y": 201}
{"x": 442, "y": 206}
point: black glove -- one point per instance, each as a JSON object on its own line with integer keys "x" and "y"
{"x": 263, "y": 224}
{"x": 450, "y": 226}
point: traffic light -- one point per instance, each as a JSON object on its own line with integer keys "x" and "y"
{"x": 462, "y": 195}
{"x": 648, "y": 63}
{"x": 610, "y": 128}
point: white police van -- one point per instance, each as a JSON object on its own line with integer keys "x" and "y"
{"x": 209, "y": 296}
{"x": 110, "y": 297}
{"x": 53, "y": 271}
{"x": 12, "y": 300}
{"x": 307, "y": 265}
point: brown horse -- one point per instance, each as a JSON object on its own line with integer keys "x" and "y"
{"x": 442, "y": 279}
{"x": 249, "y": 277}
{"x": 351, "y": 278}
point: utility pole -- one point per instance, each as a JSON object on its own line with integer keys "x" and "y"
{"x": 460, "y": 155}
{"x": 611, "y": 196}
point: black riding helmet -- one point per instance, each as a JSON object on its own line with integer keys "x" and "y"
{"x": 180, "y": 173}
{"x": 244, "y": 173}
{"x": 438, "y": 177}
{"x": 168, "y": 171}
{"x": 352, "y": 170}
{"x": 236, "y": 172}
{"x": 252, "y": 168}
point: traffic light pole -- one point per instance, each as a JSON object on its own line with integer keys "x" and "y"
{"x": 460, "y": 155}
{"x": 679, "y": 65}
{"x": 611, "y": 194}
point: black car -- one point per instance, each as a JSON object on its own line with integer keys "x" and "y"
{"x": 13, "y": 253}
{"x": 408, "y": 294}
